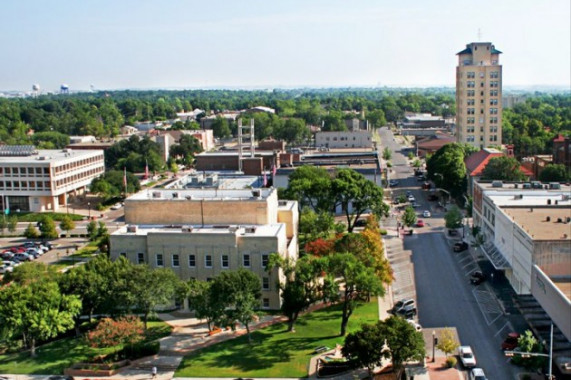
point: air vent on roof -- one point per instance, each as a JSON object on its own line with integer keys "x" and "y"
{"x": 175, "y": 195}
{"x": 187, "y": 229}
{"x": 568, "y": 220}
{"x": 188, "y": 197}
{"x": 549, "y": 201}
{"x": 548, "y": 219}
{"x": 256, "y": 193}
{"x": 559, "y": 220}
{"x": 156, "y": 194}
{"x": 131, "y": 229}
{"x": 497, "y": 184}
{"x": 518, "y": 196}
{"x": 250, "y": 230}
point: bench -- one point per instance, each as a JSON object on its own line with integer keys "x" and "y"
{"x": 321, "y": 349}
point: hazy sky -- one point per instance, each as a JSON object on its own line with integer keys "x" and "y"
{"x": 274, "y": 43}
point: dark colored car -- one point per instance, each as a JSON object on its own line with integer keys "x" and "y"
{"x": 452, "y": 233}
{"x": 477, "y": 278}
{"x": 406, "y": 312}
{"x": 460, "y": 247}
{"x": 60, "y": 377}
{"x": 510, "y": 342}
{"x": 361, "y": 223}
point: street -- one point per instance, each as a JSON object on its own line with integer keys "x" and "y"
{"x": 445, "y": 297}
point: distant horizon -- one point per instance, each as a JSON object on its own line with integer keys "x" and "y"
{"x": 258, "y": 44}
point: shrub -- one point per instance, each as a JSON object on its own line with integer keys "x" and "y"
{"x": 140, "y": 350}
{"x": 383, "y": 232}
{"x": 451, "y": 362}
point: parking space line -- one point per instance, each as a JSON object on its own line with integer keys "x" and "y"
{"x": 467, "y": 265}
{"x": 503, "y": 327}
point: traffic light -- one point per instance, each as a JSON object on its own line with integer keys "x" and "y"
{"x": 509, "y": 353}
{"x": 435, "y": 340}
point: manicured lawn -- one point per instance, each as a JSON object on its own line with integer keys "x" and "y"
{"x": 274, "y": 351}
{"x": 54, "y": 357}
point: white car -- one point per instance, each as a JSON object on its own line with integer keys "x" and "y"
{"x": 467, "y": 356}
{"x": 5, "y": 268}
{"x": 416, "y": 326}
{"x": 411, "y": 198}
{"x": 426, "y": 214}
{"x": 116, "y": 206}
{"x": 478, "y": 374}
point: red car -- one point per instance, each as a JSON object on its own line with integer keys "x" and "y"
{"x": 420, "y": 223}
{"x": 17, "y": 250}
{"x": 510, "y": 342}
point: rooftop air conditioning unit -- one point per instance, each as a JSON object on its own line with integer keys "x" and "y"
{"x": 187, "y": 229}
{"x": 497, "y": 184}
{"x": 250, "y": 230}
{"x": 132, "y": 229}
{"x": 175, "y": 195}
{"x": 256, "y": 193}
{"x": 156, "y": 194}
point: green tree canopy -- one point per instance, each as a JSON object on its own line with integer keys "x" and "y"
{"x": 554, "y": 173}
{"x": 204, "y": 302}
{"x": 504, "y": 169}
{"x": 48, "y": 228}
{"x": 111, "y": 184}
{"x": 310, "y": 186}
{"x": 409, "y": 216}
{"x": 453, "y": 218}
{"x": 447, "y": 170}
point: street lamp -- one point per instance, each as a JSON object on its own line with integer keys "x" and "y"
{"x": 89, "y": 209}
{"x": 433, "y": 345}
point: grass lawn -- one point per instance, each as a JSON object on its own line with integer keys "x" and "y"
{"x": 274, "y": 351}
{"x": 54, "y": 357}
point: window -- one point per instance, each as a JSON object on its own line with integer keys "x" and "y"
{"x": 470, "y": 102}
{"x": 246, "y": 260}
{"x": 140, "y": 258}
{"x": 482, "y": 74}
{"x": 470, "y": 74}
{"x": 208, "y": 261}
{"x": 225, "y": 261}
{"x": 265, "y": 303}
{"x": 265, "y": 283}
{"x": 191, "y": 261}
{"x": 159, "y": 259}
{"x": 265, "y": 258}
{"x": 471, "y": 93}
{"x": 471, "y": 84}
{"x": 123, "y": 254}
{"x": 175, "y": 261}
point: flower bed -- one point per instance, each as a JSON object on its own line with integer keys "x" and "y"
{"x": 96, "y": 369}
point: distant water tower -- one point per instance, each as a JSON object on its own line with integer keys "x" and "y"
{"x": 64, "y": 88}
{"x": 35, "y": 89}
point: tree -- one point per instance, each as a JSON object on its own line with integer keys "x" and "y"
{"x": 92, "y": 230}
{"x": 102, "y": 229}
{"x": 3, "y": 224}
{"x": 310, "y": 186}
{"x": 292, "y": 131}
{"x": 48, "y": 228}
{"x": 447, "y": 170}
{"x": 356, "y": 195}
{"x": 416, "y": 163}
{"x": 315, "y": 225}
{"x": 38, "y": 310}
{"x": 151, "y": 288}
{"x": 301, "y": 287}
{"x": 359, "y": 282}
{"x": 453, "y": 218}
{"x": 12, "y": 223}
{"x": 377, "y": 118}
{"x": 112, "y": 184}
{"x": 405, "y": 343}
{"x": 31, "y": 232}
{"x": 220, "y": 127}
{"x": 127, "y": 330}
{"x": 365, "y": 346}
{"x": 409, "y": 216}
{"x": 528, "y": 343}
{"x": 387, "y": 154}
{"x": 67, "y": 224}
{"x": 554, "y": 173}
{"x": 239, "y": 291}
{"x": 186, "y": 149}
{"x": 447, "y": 342}
{"x": 503, "y": 168}
{"x": 203, "y": 302}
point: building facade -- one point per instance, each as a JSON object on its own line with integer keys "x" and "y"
{"x": 527, "y": 236}
{"x": 41, "y": 180}
{"x": 199, "y": 233}
{"x": 479, "y": 95}
{"x": 346, "y": 139}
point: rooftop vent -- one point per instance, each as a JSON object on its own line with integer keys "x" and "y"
{"x": 186, "y": 229}
{"x": 257, "y": 193}
{"x": 497, "y": 184}
{"x": 548, "y": 219}
{"x": 156, "y": 194}
{"x": 518, "y": 196}
{"x": 250, "y": 230}
{"x": 549, "y": 201}
{"x": 188, "y": 197}
{"x": 559, "y": 220}
{"x": 132, "y": 229}
{"x": 175, "y": 195}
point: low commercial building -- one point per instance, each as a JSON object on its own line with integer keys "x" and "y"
{"x": 41, "y": 180}
{"x": 527, "y": 236}
{"x": 199, "y": 233}
{"x": 344, "y": 139}
{"x": 430, "y": 144}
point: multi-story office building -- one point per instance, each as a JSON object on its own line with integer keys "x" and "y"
{"x": 479, "y": 95}
{"x": 41, "y": 180}
{"x": 199, "y": 233}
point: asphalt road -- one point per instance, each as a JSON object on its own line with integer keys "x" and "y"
{"x": 444, "y": 295}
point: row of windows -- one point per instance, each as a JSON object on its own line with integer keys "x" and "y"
{"x": 79, "y": 176}
{"x": 471, "y": 138}
{"x": 9, "y": 171}
{"x": 473, "y": 93}
{"x": 472, "y": 74}
{"x": 208, "y": 260}
{"x": 77, "y": 164}
{"x": 25, "y": 185}
{"x": 470, "y": 111}
{"x": 342, "y": 138}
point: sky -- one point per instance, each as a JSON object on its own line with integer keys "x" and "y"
{"x": 118, "y": 44}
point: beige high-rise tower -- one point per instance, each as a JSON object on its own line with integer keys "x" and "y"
{"x": 479, "y": 95}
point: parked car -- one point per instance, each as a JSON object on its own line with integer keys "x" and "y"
{"x": 23, "y": 256}
{"x": 6, "y": 255}
{"x": 402, "y": 304}
{"x": 416, "y": 326}
{"x": 408, "y": 193}
{"x": 477, "y": 374}
{"x": 116, "y": 206}
{"x": 14, "y": 263}
{"x": 426, "y": 186}
{"x": 415, "y": 205}
{"x": 60, "y": 377}
{"x": 511, "y": 341}
{"x": 407, "y": 312}
{"x": 477, "y": 278}
{"x": 29, "y": 244}
{"x": 393, "y": 182}
{"x": 411, "y": 198}
{"x": 5, "y": 268}
{"x": 460, "y": 247}
{"x": 360, "y": 222}
{"x": 426, "y": 214}
{"x": 467, "y": 356}
{"x": 323, "y": 149}
{"x": 420, "y": 223}
{"x": 35, "y": 251}
{"x": 17, "y": 249}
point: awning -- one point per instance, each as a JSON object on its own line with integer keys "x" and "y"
{"x": 495, "y": 256}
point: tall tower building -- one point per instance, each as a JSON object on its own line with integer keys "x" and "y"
{"x": 479, "y": 95}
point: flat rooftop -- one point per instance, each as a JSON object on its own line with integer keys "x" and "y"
{"x": 266, "y": 230}
{"x": 535, "y": 222}
{"x": 511, "y": 187}
{"x": 564, "y": 286}
{"x": 49, "y": 155}
{"x": 530, "y": 198}
{"x": 220, "y": 180}
{"x": 201, "y": 194}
